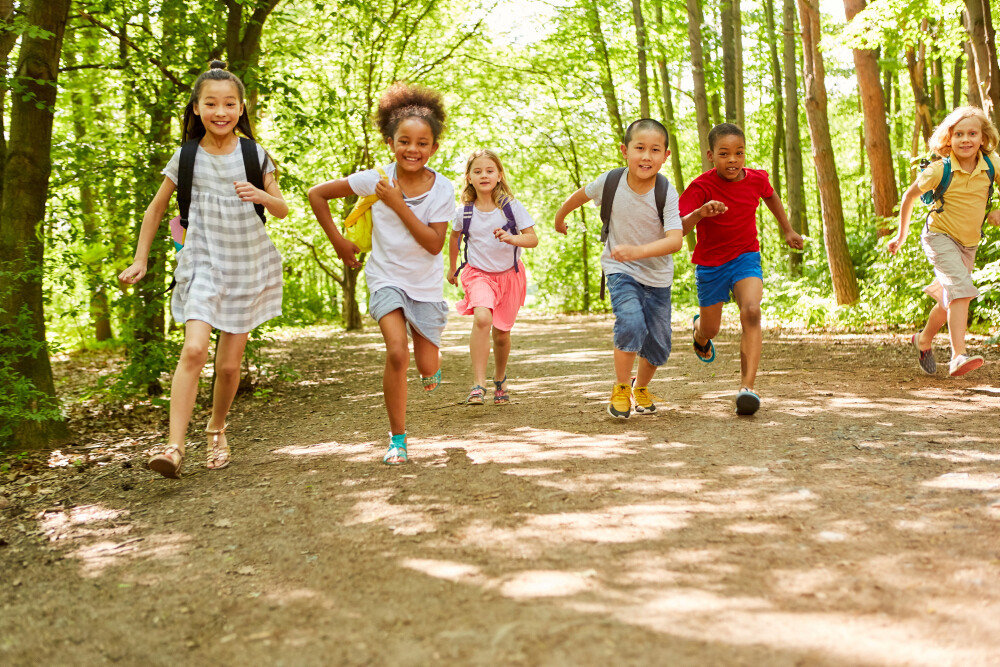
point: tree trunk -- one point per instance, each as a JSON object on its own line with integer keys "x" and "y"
{"x": 973, "y": 93}
{"x": 778, "y": 138}
{"x": 243, "y": 44}
{"x": 957, "y": 76}
{"x": 793, "y": 142}
{"x": 604, "y": 61}
{"x": 641, "y": 41}
{"x": 22, "y": 213}
{"x": 845, "y": 283}
{"x": 876, "y": 129}
{"x": 915, "y": 68}
{"x": 698, "y": 76}
{"x": 979, "y": 24}
{"x": 729, "y": 40}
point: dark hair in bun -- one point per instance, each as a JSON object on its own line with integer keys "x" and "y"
{"x": 401, "y": 101}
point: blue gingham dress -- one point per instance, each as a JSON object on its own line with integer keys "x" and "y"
{"x": 228, "y": 272}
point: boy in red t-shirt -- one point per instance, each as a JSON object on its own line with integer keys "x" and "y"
{"x": 722, "y": 203}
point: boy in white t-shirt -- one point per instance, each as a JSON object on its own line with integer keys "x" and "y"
{"x": 641, "y": 236}
{"x": 495, "y": 227}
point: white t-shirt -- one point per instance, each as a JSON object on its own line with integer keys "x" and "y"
{"x": 486, "y": 253}
{"x": 397, "y": 260}
{"x": 635, "y": 221}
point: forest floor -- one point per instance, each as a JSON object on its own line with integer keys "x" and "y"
{"x": 855, "y": 520}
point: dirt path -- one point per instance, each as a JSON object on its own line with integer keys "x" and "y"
{"x": 854, "y": 520}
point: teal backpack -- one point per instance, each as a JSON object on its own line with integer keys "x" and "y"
{"x": 937, "y": 194}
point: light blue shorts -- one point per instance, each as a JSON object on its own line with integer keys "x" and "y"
{"x": 428, "y": 318}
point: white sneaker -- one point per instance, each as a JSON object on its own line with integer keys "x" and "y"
{"x": 962, "y": 364}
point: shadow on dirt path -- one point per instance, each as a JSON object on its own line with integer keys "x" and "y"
{"x": 854, "y": 520}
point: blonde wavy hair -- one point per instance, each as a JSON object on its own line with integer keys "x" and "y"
{"x": 501, "y": 191}
{"x": 940, "y": 141}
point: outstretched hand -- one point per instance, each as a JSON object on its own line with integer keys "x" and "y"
{"x": 132, "y": 274}
{"x": 794, "y": 240}
{"x": 894, "y": 245}
{"x": 994, "y": 218}
{"x": 561, "y": 226}
{"x": 712, "y": 208}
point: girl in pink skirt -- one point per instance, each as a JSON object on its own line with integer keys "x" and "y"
{"x": 494, "y": 227}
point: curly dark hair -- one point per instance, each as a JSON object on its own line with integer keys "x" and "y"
{"x": 401, "y": 101}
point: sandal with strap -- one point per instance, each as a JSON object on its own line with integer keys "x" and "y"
{"x": 706, "y": 352}
{"x": 477, "y": 396}
{"x": 397, "y": 451}
{"x": 218, "y": 448}
{"x": 431, "y": 382}
{"x": 500, "y": 395}
{"x": 168, "y": 463}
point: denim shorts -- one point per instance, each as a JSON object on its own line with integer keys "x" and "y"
{"x": 642, "y": 318}
{"x": 715, "y": 283}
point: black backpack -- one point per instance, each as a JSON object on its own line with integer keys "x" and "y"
{"x": 608, "y": 197}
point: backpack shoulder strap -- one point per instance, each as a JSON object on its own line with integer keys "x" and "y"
{"x": 992, "y": 173}
{"x": 255, "y": 172}
{"x": 660, "y": 195}
{"x": 185, "y": 177}
{"x": 511, "y": 225}
{"x": 945, "y": 179}
{"x": 466, "y": 223}
{"x": 608, "y": 198}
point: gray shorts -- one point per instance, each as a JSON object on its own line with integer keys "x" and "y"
{"x": 427, "y": 318}
{"x": 953, "y": 266}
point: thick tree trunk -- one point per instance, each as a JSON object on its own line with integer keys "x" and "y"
{"x": 778, "y": 137}
{"x": 918, "y": 83}
{"x": 973, "y": 93}
{"x": 22, "y": 212}
{"x": 641, "y": 41}
{"x": 698, "y": 77}
{"x": 845, "y": 283}
{"x": 876, "y": 129}
{"x": 979, "y": 24}
{"x": 604, "y": 61}
{"x": 243, "y": 44}
{"x": 729, "y": 39}
{"x": 793, "y": 143}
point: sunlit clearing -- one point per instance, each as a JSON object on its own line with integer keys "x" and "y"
{"x": 358, "y": 451}
{"x": 444, "y": 569}
{"x": 966, "y": 481}
{"x": 97, "y": 557}
{"x": 756, "y": 529}
{"x": 546, "y": 583}
{"x": 375, "y": 508}
{"x": 60, "y": 525}
{"x": 578, "y": 356}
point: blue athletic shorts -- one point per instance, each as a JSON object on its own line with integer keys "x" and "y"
{"x": 715, "y": 283}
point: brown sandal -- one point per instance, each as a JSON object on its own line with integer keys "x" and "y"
{"x": 168, "y": 463}
{"x": 218, "y": 448}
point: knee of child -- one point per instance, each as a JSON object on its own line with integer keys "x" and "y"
{"x": 194, "y": 353}
{"x": 750, "y": 315}
{"x": 482, "y": 319}
{"x": 500, "y": 336}
{"x": 398, "y": 357}
{"x": 228, "y": 368}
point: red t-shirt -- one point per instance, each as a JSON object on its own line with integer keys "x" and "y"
{"x": 727, "y": 236}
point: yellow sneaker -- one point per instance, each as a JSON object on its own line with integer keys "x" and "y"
{"x": 621, "y": 401}
{"x": 643, "y": 400}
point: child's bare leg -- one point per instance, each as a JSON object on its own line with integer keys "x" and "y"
{"x": 644, "y": 374}
{"x": 427, "y": 355}
{"x": 624, "y": 361}
{"x": 184, "y": 388}
{"x": 397, "y": 360}
{"x": 479, "y": 344}
{"x": 228, "y": 362}
{"x": 749, "y": 293}
{"x": 501, "y": 352}
{"x": 958, "y": 323}
{"x": 706, "y": 327}
{"x": 938, "y": 318}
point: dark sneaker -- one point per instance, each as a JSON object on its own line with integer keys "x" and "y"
{"x": 621, "y": 401}
{"x": 962, "y": 364}
{"x": 927, "y": 362}
{"x": 747, "y": 402}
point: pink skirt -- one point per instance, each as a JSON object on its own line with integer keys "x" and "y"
{"x": 503, "y": 293}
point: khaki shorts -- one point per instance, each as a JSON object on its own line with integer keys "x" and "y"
{"x": 953, "y": 266}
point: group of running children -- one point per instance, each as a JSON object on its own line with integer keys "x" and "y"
{"x": 228, "y": 274}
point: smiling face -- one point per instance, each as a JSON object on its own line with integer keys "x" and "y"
{"x": 967, "y": 139}
{"x": 219, "y": 107}
{"x": 645, "y": 154}
{"x": 483, "y": 175}
{"x": 728, "y": 155}
{"x": 413, "y": 144}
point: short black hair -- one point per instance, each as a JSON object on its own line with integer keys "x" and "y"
{"x": 645, "y": 124}
{"x": 724, "y": 130}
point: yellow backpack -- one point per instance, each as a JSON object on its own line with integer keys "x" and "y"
{"x": 358, "y": 223}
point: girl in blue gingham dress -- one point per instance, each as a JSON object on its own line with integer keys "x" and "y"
{"x": 228, "y": 272}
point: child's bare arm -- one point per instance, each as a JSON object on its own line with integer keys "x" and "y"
{"x": 792, "y": 237}
{"x": 905, "y": 210}
{"x": 525, "y": 239}
{"x": 430, "y": 236}
{"x": 270, "y": 196}
{"x": 453, "y": 255}
{"x": 707, "y": 210}
{"x": 573, "y": 202}
{"x": 319, "y": 200}
{"x": 147, "y": 233}
{"x": 668, "y": 245}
